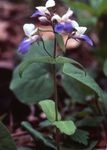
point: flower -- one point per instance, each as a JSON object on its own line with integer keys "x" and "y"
{"x": 79, "y": 33}
{"x": 76, "y": 32}
{"x": 29, "y": 30}
{"x": 43, "y": 10}
{"x": 63, "y": 23}
{"x": 64, "y": 18}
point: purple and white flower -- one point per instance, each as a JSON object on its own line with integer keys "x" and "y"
{"x": 43, "y": 10}
{"x": 72, "y": 27}
{"x": 64, "y": 18}
{"x": 30, "y": 30}
{"x": 79, "y": 33}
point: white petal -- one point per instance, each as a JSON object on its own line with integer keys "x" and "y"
{"x": 80, "y": 31}
{"x": 74, "y": 24}
{"x": 68, "y": 14}
{"x": 50, "y": 3}
{"x": 56, "y": 17}
{"x": 34, "y": 31}
{"x": 28, "y": 29}
{"x": 43, "y": 19}
{"x": 43, "y": 9}
{"x": 35, "y": 38}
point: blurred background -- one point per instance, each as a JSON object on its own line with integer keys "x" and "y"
{"x": 14, "y": 13}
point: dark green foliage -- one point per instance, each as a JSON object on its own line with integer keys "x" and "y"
{"x": 84, "y": 78}
{"x": 6, "y": 141}
{"x": 81, "y": 137}
{"x": 90, "y": 122}
{"x": 37, "y": 135}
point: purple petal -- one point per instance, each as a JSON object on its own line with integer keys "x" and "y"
{"x": 68, "y": 27}
{"x": 24, "y": 46}
{"x": 59, "y": 28}
{"x": 86, "y": 38}
{"x": 37, "y": 13}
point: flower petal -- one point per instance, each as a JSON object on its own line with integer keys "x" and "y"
{"x": 86, "y": 38}
{"x": 37, "y": 13}
{"x": 64, "y": 27}
{"x": 35, "y": 38}
{"x": 74, "y": 23}
{"x": 59, "y": 28}
{"x": 29, "y": 29}
{"x": 80, "y": 30}
{"x": 68, "y": 27}
{"x": 43, "y": 19}
{"x": 43, "y": 10}
{"x": 24, "y": 46}
{"x": 68, "y": 14}
{"x": 50, "y": 3}
{"x": 56, "y": 17}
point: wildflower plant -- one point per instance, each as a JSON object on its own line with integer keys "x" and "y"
{"x": 33, "y": 83}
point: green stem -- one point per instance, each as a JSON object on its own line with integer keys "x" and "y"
{"x": 57, "y": 136}
{"x": 55, "y": 83}
{"x": 55, "y": 92}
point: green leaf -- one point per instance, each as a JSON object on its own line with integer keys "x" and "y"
{"x": 60, "y": 41}
{"x": 6, "y": 141}
{"x": 91, "y": 145}
{"x": 37, "y": 49}
{"x": 36, "y": 84}
{"x": 84, "y": 78}
{"x": 90, "y": 122}
{"x": 66, "y": 127}
{"x": 62, "y": 60}
{"x": 46, "y": 59}
{"x": 79, "y": 5}
{"x": 71, "y": 87}
{"x": 45, "y": 123}
{"x": 81, "y": 136}
{"x": 37, "y": 54}
{"x": 48, "y": 107}
{"x": 84, "y": 113}
{"x": 105, "y": 67}
{"x": 37, "y": 135}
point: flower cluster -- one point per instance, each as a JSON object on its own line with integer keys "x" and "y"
{"x": 59, "y": 25}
